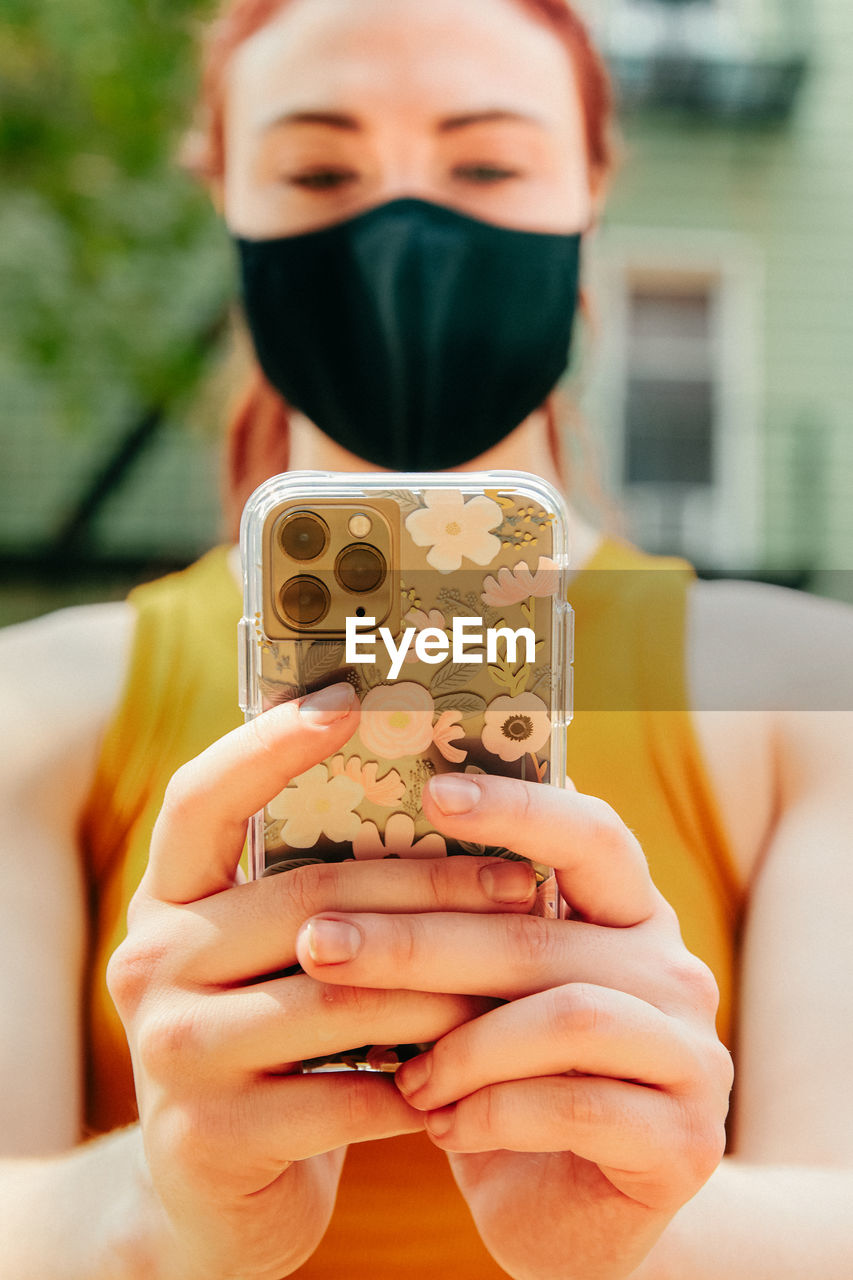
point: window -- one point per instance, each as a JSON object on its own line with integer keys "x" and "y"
{"x": 670, "y": 404}
{"x": 674, "y": 383}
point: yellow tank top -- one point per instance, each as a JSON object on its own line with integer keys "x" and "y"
{"x": 631, "y": 742}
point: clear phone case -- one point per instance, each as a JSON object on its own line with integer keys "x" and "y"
{"x": 442, "y": 600}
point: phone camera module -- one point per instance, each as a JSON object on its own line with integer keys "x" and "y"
{"x": 304, "y": 536}
{"x": 304, "y": 600}
{"x": 360, "y": 568}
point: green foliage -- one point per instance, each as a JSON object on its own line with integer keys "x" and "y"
{"x": 111, "y": 259}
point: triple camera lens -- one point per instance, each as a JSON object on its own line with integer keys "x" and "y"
{"x": 305, "y": 599}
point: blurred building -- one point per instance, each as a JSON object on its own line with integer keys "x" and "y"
{"x": 721, "y": 375}
{"x": 716, "y": 372}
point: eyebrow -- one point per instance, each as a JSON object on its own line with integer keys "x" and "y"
{"x": 347, "y": 123}
{"x": 494, "y": 114}
{"x": 332, "y": 119}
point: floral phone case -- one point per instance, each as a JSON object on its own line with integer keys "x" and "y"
{"x": 442, "y": 600}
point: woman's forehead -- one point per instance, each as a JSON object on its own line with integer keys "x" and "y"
{"x": 441, "y": 58}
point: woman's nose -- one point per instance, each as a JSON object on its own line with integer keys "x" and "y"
{"x": 406, "y": 166}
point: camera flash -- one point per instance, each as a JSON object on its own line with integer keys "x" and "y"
{"x": 360, "y": 525}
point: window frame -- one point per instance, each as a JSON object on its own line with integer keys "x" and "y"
{"x": 722, "y": 524}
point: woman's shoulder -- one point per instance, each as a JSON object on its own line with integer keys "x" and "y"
{"x": 755, "y": 647}
{"x": 770, "y": 686}
{"x": 61, "y": 677}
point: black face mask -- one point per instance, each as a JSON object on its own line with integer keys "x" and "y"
{"x": 415, "y": 336}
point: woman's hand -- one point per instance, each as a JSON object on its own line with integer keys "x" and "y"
{"x": 244, "y": 1154}
{"x": 605, "y": 1057}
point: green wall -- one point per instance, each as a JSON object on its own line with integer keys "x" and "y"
{"x": 788, "y": 190}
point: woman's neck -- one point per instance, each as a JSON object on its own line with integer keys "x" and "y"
{"x": 525, "y": 449}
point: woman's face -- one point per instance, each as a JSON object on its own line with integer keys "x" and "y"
{"x": 339, "y": 105}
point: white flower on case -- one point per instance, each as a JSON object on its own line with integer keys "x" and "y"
{"x": 514, "y": 726}
{"x": 315, "y": 805}
{"x": 453, "y": 528}
{"x": 513, "y": 585}
{"x": 396, "y": 720}
{"x": 399, "y": 839}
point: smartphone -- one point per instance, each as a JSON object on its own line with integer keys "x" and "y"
{"x": 442, "y": 599}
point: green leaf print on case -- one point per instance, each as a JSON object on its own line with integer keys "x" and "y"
{"x": 451, "y": 676}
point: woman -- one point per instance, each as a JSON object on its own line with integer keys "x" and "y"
{"x": 583, "y": 1118}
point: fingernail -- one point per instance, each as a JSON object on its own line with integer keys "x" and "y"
{"x": 453, "y": 794}
{"x": 332, "y": 941}
{"x": 327, "y": 705}
{"x": 508, "y": 881}
{"x": 413, "y": 1075}
{"x": 439, "y": 1123}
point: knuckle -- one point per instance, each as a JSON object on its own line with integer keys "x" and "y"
{"x": 137, "y": 909}
{"x": 169, "y": 1044}
{"x": 577, "y": 1011}
{"x": 131, "y": 972}
{"x": 126, "y": 980}
{"x": 402, "y": 944}
{"x": 360, "y": 1104}
{"x": 353, "y": 1003}
{"x": 440, "y": 879}
{"x": 528, "y": 940}
{"x": 455, "y": 1058}
{"x": 705, "y": 1145}
{"x": 182, "y": 794}
{"x": 578, "y": 1107}
{"x": 606, "y": 828}
{"x": 667, "y": 915}
{"x": 310, "y": 889}
{"x": 484, "y": 1112}
{"x": 694, "y": 982}
{"x": 721, "y": 1069}
{"x": 725, "y": 1068}
{"x": 150, "y": 954}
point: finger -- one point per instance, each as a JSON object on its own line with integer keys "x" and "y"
{"x": 272, "y": 1026}
{"x": 505, "y": 956}
{"x": 609, "y": 1122}
{"x": 306, "y": 1115}
{"x": 601, "y": 868}
{"x": 614, "y": 1124}
{"x": 240, "y": 933}
{"x": 276, "y": 1122}
{"x": 199, "y": 834}
{"x": 644, "y": 1142}
{"x": 575, "y": 1028}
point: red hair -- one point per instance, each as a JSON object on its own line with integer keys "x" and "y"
{"x": 258, "y": 432}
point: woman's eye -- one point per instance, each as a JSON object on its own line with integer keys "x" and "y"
{"x": 484, "y": 173}
{"x": 322, "y": 179}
